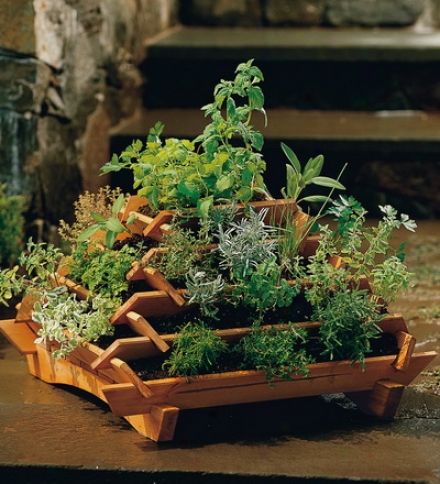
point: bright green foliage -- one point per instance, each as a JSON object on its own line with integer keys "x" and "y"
{"x": 242, "y": 270}
{"x": 277, "y": 351}
{"x": 347, "y": 313}
{"x": 10, "y": 284}
{"x": 39, "y": 262}
{"x": 68, "y": 321}
{"x": 196, "y": 349}
{"x": 102, "y": 271}
{"x": 179, "y": 173}
{"x": 11, "y": 227}
{"x": 349, "y": 321}
{"x": 182, "y": 255}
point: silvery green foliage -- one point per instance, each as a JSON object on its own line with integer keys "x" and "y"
{"x": 246, "y": 244}
{"x": 204, "y": 291}
{"x": 67, "y": 320}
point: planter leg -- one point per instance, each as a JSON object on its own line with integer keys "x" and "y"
{"x": 382, "y": 401}
{"x": 160, "y": 423}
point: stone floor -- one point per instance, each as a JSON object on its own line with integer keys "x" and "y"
{"x": 53, "y": 434}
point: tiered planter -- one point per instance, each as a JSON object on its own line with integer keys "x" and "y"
{"x": 152, "y": 406}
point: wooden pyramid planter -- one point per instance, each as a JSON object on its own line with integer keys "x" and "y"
{"x": 152, "y": 406}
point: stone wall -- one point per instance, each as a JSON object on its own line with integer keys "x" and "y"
{"x": 68, "y": 72}
{"x": 333, "y": 13}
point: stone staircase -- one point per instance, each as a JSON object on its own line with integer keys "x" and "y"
{"x": 369, "y": 98}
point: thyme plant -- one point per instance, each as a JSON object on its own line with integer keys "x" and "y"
{"x": 196, "y": 349}
{"x": 279, "y": 352}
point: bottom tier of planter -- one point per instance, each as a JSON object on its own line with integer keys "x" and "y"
{"x": 152, "y": 407}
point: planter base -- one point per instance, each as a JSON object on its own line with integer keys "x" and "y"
{"x": 152, "y": 407}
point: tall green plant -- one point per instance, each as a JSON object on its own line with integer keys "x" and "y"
{"x": 297, "y": 178}
{"x": 222, "y": 163}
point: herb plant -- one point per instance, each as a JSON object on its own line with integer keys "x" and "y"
{"x": 101, "y": 203}
{"x": 102, "y": 271}
{"x": 196, "y": 349}
{"x": 69, "y": 321}
{"x": 297, "y": 178}
{"x": 178, "y": 174}
{"x": 277, "y": 351}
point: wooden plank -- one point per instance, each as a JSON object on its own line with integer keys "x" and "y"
{"x": 160, "y": 225}
{"x": 64, "y": 372}
{"x": 122, "y": 367}
{"x": 162, "y": 421}
{"x": 25, "y": 308}
{"x": 251, "y": 386}
{"x": 148, "y": 303}
{"x": 382, "y": 401}
{"x": 141, "y": 326}
{"x": 19, "y": 335}
{"x": 133, "y": 204}
{"x": 393, "y": 323}
{"x": 158, "y": 281}
{"x": 406, "y": 344}
{"x": 127, "y": 349}
{"x": 81, "y": 292}
{"x": 158, "y": 424}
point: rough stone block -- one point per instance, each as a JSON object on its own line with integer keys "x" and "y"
{"x": 17, "y": 25}
{"x": 23, "y": 81}
{"x": 243, "y": 13}
{"x": 299, "y": 12}
{"x": 373, "y": 13}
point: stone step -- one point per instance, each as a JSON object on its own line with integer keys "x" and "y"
{"x": 373, "y": 132}
{"x": 319, "y": 69}
{"x": 297, "y": 44}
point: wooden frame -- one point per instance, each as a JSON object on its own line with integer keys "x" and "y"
{"x": 152, "y": 406}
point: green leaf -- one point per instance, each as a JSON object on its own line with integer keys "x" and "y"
{"x": 292, "y": 158}
{"x": 84, "y": 236}
{"x": 224, "y": 183}
{"x": 257, "y": 140}
{"x": 325, "y": 181}
{"x": 110, "y": 239}
{"x": 230, "y": 107}
{"x": 313, "y": 167}
{"x": 256, "y": 97}
{"x": 119, "y": 203}
{"x": 203, "y": 207}
{"x": 244, "y": 194}
{"x": 97, "y": 217}
{"x": 114, "y": 225}
{"x": 316, "y": 199}
{"x": 188, "y": 189}
{"x": 293, "y": 181}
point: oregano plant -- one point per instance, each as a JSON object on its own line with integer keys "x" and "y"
{"x": 222, "y": 163}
